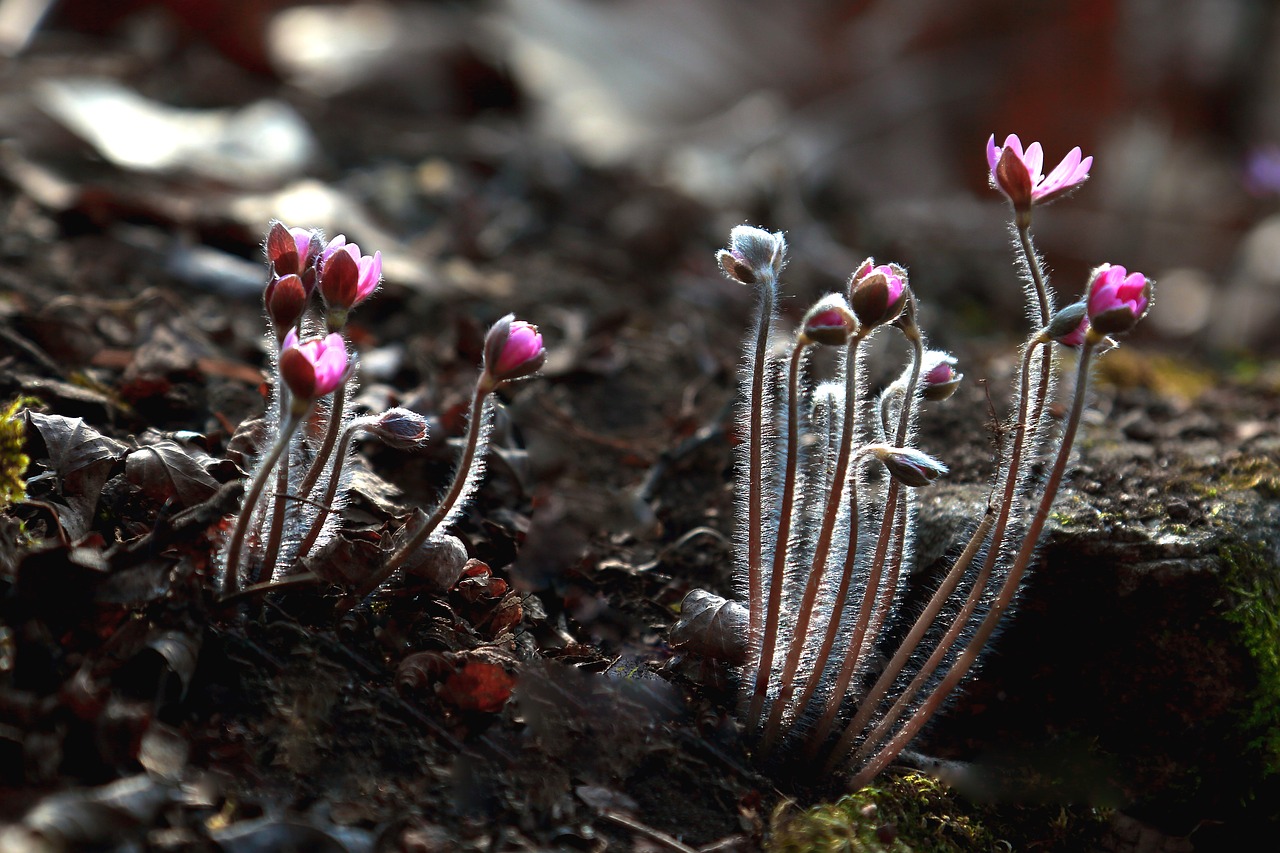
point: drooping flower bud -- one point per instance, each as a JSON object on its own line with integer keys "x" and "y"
{"x": 512, "y": 349}
{"x": 938, "y": 377}
{"x": 828, "y": 322}
{"x": 907, "y": 465}
{"x": 1118, "y": 299}
{"x": 285, "y": 299}
{"x": 1069, "y": 326}
{"x": 314, "y": 367}
{"x": 754, "y": 255}
{"x": 399, "y": 428}
{"x": 879, "y": 295}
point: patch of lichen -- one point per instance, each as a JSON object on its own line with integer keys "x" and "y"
{"x": 1255, "y": 473}
{"x": 914, "y": 813}
{"x": 1254, "y": 581}
{"x": 13, "y": 447}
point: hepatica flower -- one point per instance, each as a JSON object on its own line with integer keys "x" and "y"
{"x": 1118, "y": 299}
{"x": 314, "y": 367}
{"x": 289, "y": 249}
{"x": 512, "y": 349}
{"x": 1017, "y": 173}
{"x": 347, "y": 278}
{"x": 878, "y": 296}
{"x": 829, "y": 322}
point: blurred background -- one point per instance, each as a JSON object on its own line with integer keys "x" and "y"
{"x": 454, "y": 133}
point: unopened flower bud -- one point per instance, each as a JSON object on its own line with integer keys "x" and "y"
{"x": 938, "y": 377}
{"x": 909, "y": 466}
{"x": 1069, "y": 325}
{"x": 1117, "y": 299}
{"x": 512, "y": 349}
{"x": 285, "y": 299}
{"x": 879, "y": 295}
{"x": 289, "y": 250}
{"x": 754, "y": 255}
{"x": 829, "y": 322}
{"x": 399, "y": 428}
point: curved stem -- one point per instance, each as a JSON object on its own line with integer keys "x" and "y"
{"x": 236, "y": 546}
{"x": 822, "y": 548}
{"x": 1007, "y": 592}
{"x": 777, "y": 576}
{"x": 875, "y": 602}
{"x": 331, "y": 490}
{"x": 961, "y": 619}
{"x": 275, "y": 532}
{"x": 475, "y": 426}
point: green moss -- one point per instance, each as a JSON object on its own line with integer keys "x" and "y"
{"x": 914, "y": 813}
{"x": 13, "y": 447}
{"x": 1254, "y": 581}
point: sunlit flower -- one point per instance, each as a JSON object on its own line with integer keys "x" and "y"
{"x": 1017, "y": 174}
{"x": 289, "y": 249}
{"x": 829, "y": 322}
{"x": 313, "y": 367}
{"x": 512, "y": 349}
{"x": 878, "y": 295}
{"x": 1118, "y": 299}
{"x": 345, "y": 285}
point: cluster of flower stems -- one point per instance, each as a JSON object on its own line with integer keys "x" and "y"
{"x": 298, "y": 485}
{"x": 838, "y": 670}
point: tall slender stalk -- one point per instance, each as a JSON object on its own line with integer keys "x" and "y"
{"x": 781, "y": 543}
{"x": 325, "y": 453}
{"x": 825, "y": 532}
{"x": 755, "y": 474}
{"x": 331, "y": 490}
{"x": 1007, "y": 592}
{"x": 874, "y": 602}
{"x": 236, "y": 546}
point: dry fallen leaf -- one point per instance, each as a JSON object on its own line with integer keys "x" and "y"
{"x": 166, "y": 470}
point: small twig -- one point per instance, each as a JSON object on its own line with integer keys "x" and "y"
{"x": 647, "y": 831}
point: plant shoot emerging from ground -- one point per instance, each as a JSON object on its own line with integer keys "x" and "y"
{"x": 835, "y": 667}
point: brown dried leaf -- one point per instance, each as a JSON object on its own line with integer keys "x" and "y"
{"x": 165, "y": 470}
{"x": 79, "y": 454}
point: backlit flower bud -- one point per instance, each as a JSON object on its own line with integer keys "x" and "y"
{"x": 909, "y": 466}
{"x": 347, "y": 278}
{"x": 829, "y": 322}
{"x": 285, "y": 299}
{"x": 879, "y": 295}
{"x": 289, "y": 250}
{"x": 399, "y": 428}
{"x": 1069, "y": 325}
{"x": 314, "y": 367}
{"x": 1117, "y": 299}
{"x": 754, "y": 255}
{"x": 512, "y": 349}
{"x": 938, "y": 378}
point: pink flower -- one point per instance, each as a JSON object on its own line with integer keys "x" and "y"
{"x": 754, "y": 255}
{"x": 1017, "y": 174}
{"x": 286, "y": 299}
{"x": 939, "y": 379}
{"x": 289, "y": 249}
{"x": 829, "y": 322}
{"x": 878, "y": 296}
{"x": 512, "y": 349}
{"x": 314, "y": 367}
{"x": 1118, "y": 299}
{"x": 344, "y": 285}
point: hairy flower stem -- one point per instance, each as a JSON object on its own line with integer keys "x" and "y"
{"x": 1044, "y": 301}
{"x": 844, "y": 474}
{"x": 875, "y": 601}
{"x": 938, "y": 600}
{"x": 755, "y": 472}
{"x": 461, "y": 477}
{"x": 325, "y": 452}
{"x": 778, "y": 571}
{"x": 1007, "y": 592}
{"x": 236, "y": 546}
{"x": 275, "y": 532}
{"x": 331, "y": 489}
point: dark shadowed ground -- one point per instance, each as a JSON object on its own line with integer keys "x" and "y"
{"x": 579, "y": 164}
